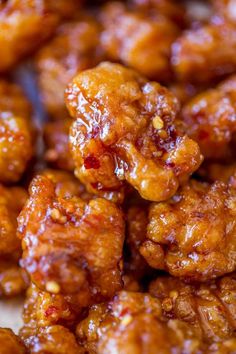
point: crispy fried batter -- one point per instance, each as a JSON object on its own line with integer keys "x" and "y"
{"x": 25, "y": 24}
{"x": 42, "y": 309}
{"x": 125, "y": 130}
{"x": 74, "y": 48}
{"x": 132, "y": 323}
{"x": 138, "y": 39}
{"x": 56, "y": 137}
{"x": 209, "y": 307}
{"x": 71, "y": 245}
{"x": 212, "y": 172}
{"x": 210, "y": 119}
{"x": 10, "y": 343}
{"x": 193, "y": 234}
{"x": 51, "y": 340}
{"x": 15, "y": 132}
{"x": 13, "y": 280}
{"x": 207, "y": 53}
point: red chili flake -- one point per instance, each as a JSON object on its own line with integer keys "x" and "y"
{"x": 203, "y": 134}
{"x": 50, "y": 311}
{"x": 91, "y": 162}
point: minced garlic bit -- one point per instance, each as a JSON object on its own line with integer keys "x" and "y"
{"x": 53, "y": 287}
{"x": 126, "y": 320}
{"x": 158, "y": 123}
{"x": 56, "y": 215}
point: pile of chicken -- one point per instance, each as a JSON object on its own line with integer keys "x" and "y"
{"x": 121, "y": 235}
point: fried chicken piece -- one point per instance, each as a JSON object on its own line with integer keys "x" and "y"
{"x": 125, "y": 130}
{"x": 138, "y": 39}
{"x": 67, "y": 186}
{"x": 209, "y": 307}
{"x": 133, "y": 323}
{"x": 56, "y": 137}
{"x": 12, "y": 200}
{"x": 204, "y": 54}
{"x": 16, "y": 147}
{"x": 210, "y": 119}
{"x": 74, "y": 48}
{"x": 51, "y": 340}
{"x": 24, "y": 25}
{"x": 168, "y": 8}
{"x": 10, "y": 343}
{"x": 42, "y": 309}
{"x": 13, "y": 279}
{"x": 71, "y": 245}
{"x": 219, "y": 172}
{"x": 192, "y": 235}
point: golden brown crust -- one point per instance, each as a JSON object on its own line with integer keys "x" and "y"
{"x": 16, "y": 148}
{"x": 85, "y": 247}
{"x": 192, "y": 236}
{"x": 138, "y": 39}
{"x": 125, "y": 130}
{"x": 203, "y": 54}
{"x": 74, "y": 48}
{"x": 209, "y": 307}
{"x": 42, "y": 309}
{"x": 24, "y": 25}
{"x": 210, "y": 120}
{"x": 132, "y": 323}
{"x": 10, "y": 343}
{"x": 51, "y": 340}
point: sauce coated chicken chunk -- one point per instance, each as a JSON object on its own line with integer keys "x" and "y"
{"x": 10, "y": 343}
{"x": 210, "y": 308}
{"x": 134, "y": 323}
{"x": 138, "y": 39}
{"x": 210, "y": 119}
{"x": 13, "y": 280}
{"x": 192, "y": 236}
{"x": 15, "y": 131}
{"x": 71, "y": 245}
{"x": 25, "y": 24}
{"x": 125, "y": 129}
{"x": 74, "y": 48}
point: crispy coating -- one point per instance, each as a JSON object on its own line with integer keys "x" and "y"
{"x": 207, "y": 53}
{"x": 42, "y": 309}
{"x": 74, "y": 48}
{"x": 13, "y": 279}
{"x": 133, "y": 323}
{"x": 56, "y": 137}
{"x": 210, "y": 120}
{"x": 16, "y": 133}
{"x": 25, "y": 24}
{"x": 12, "y": 200}
{"x": 85, "y": 247}
{"x": 168, "y": 8}
{"x": 66, "y": 185}
{"x": 125, "y": 130}
{"x": 219, "y": 172}
{"x": 209, "y": 307}
{"x": 51, "y": 340}
{"x": 138, "y": 39}
{"x": 10, "y": 343}
{"x": 192, "y": 235}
